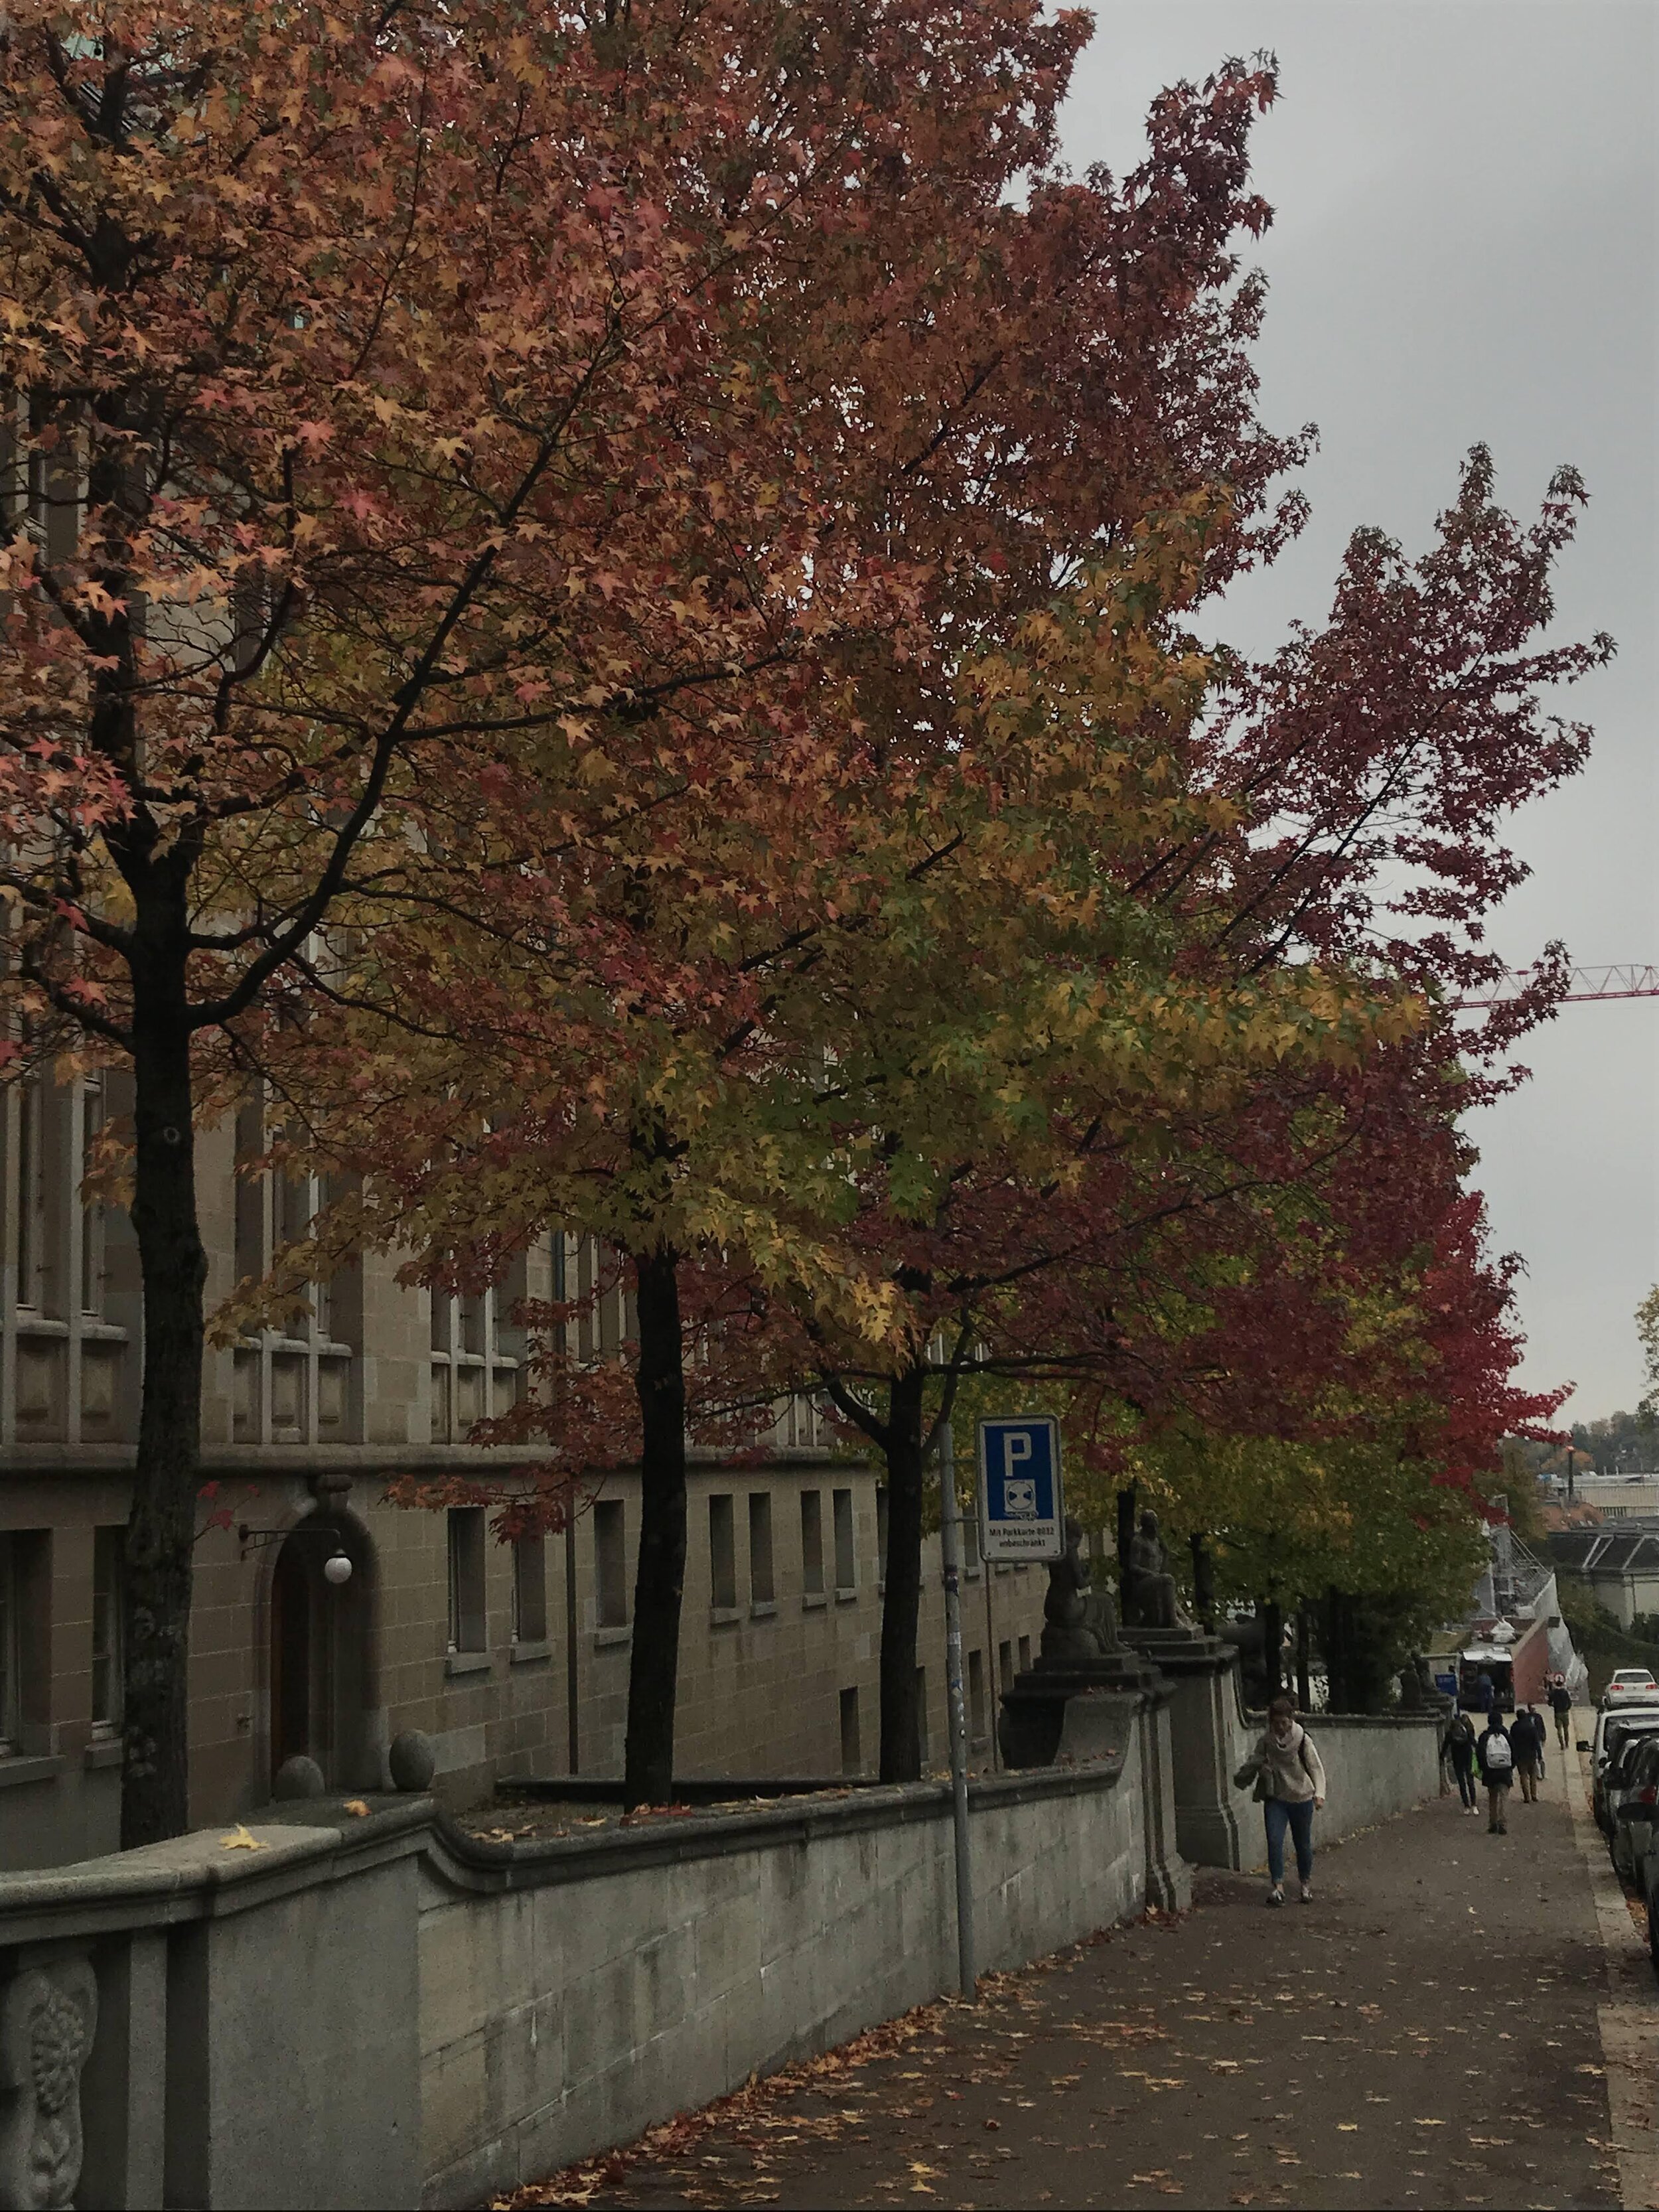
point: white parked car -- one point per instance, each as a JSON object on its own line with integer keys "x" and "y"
{"x": 1633, "y": 1685}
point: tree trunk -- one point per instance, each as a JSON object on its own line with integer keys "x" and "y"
{"x": 659, "y": 1580}
{"x": 160, "y": 1528}
{"x": 900, "y": 1719}
{"x": 1272, "y": 1644}
{"x": 1125, "y": 1536}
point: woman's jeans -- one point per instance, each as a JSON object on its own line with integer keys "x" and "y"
{"x": 1281, "y": 1815}
{"x": 1462, "y": 1760}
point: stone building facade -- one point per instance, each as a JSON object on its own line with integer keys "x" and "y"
{"x": 512, "y": 1658}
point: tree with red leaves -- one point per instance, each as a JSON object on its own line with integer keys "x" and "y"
{"x": 400, "y": 428}
{"x": 633, "y": 1040}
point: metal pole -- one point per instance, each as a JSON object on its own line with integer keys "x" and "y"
{"x": 951, "y": 1549}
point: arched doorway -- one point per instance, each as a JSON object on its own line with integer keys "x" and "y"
{"x": 320, "y": 1685}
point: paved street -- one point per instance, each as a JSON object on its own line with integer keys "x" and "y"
{"x": 1428, "y": 2032}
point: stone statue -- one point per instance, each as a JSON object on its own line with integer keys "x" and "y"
{"x": 47, "y": 2019}
{"x": 1150, "y": 1600}
{"x": 1071, "y": 1622}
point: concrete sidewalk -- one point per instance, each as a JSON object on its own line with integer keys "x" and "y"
{"x": 1428, "y": 2032}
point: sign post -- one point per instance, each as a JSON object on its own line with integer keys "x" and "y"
{"x": 1021, "y": 1515}
{"x": 951, "y": 1556}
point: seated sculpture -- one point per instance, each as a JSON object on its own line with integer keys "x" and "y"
{"x": 1150, "y": 1595}
{"x": 1078, "y": 1627}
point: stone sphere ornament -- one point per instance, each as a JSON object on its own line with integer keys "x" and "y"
{"x": 298, "y": 1777}
{"x": 412, "y": 1759}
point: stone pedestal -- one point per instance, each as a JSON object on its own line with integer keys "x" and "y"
{"x": 1035, "y": 1711}
{"x": 1063, "y": 1716}
{"x": 1209, "y": 1739}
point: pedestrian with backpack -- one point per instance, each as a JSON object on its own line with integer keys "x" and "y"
{"x": 1496, "y": 1756}
{"x": 1290, "y": 1788}
{"x": 1460, "y": 1750}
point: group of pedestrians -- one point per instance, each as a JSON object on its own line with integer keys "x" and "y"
{"x": 1289, "y": 1776}
{"x": 1502, "y": 1754}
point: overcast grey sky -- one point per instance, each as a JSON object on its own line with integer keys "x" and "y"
{"x": 1463, "y": 249}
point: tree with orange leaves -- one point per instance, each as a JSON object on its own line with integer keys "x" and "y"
{"x": 394, "y": 388}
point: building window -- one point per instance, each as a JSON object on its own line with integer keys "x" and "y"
{"x": 852, "y": 1760}
{"x": 881, "y": 1532}
{"x": 760, "y": 1547}
{"x": 108, "y": 1549}
{"x": 530, "y": 1589}
{"x": 89, "y": 1215}
{"x": 10, "y": 1649}
{"x": 846, "y": 1570}
{"x": 722, "y": 1554}
{"x": 811, "y": 1542}
{"x": 31, "y": 1193}
{"x": 25, "y": 1640}
{"x": 1024, "y": 1655}
{"x": 1005, "y": 1666}
{"x": 968, "y": 1526}
{"x": 611, "y": 1562}
{"x": 466, "y": 1578}
{"x": 976, "y": 1696}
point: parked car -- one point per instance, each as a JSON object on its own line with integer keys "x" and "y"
{"x": 1612, "y": 1730}
{"x": 1635, "y": 1796}
{"x": 1631, "y": 1686}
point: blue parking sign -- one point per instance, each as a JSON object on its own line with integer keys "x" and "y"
{"x": 1021, "y": 1515}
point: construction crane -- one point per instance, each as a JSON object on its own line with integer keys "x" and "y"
{"x": 1627, "y": 981}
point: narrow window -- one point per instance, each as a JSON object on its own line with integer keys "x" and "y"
{"x": 1024, "y": 1655}
{"x": 970, "y": 1528}
{"x": 976, "y": 1696}
{"x": 89, "y": 1215}
{"x": 11, "y": 1699}
{"x": 811, "y": 1542}
{"x": 1005, "y": 1666}
{"x": 108, "y": 1546}
{"x": 760, "y": 1547}
{"x": 851, "y": 1759}
{"x": 611, "y": 1562}
{"x": 249, "y": 1198}
{"x": 845, "y": 1575}
{"x": 881, "y": 1532}
{"x": 26, "y": 1640}
{"x": 530, "y": 1589}
{"x": 722, "y": 1554}
{"x": 466, "y": 1578}
{"x": 28, "y": 1192}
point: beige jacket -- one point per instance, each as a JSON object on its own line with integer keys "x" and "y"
{"x": 1290, "y": 1770}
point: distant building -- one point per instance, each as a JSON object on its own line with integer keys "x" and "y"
{"x": 1620, "y": 1562}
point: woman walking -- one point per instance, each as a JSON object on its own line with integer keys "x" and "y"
{"x": 1290, "y": 1787}
{"x": 1496, "y": 1756}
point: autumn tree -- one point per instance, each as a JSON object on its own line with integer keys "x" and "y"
{"x": 634, "y": 1040}
{"x": 380, "y": 401}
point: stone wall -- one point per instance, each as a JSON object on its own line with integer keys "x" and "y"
{"x": 648, "y": 1973}
{"x": 368, "y": 2008}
